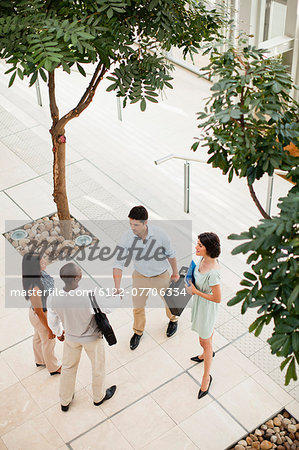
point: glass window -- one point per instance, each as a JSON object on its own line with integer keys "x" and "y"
{"x": 275, "y": 18}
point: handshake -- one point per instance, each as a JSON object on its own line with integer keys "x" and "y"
{"x": 51, "y": 335}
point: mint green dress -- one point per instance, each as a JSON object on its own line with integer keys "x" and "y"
{"x": 204, "y": 312}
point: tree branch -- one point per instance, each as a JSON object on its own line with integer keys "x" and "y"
{"x": 94, "y": 77}
{"x": 53, "y": 105}
{"x": 90, "y": 15}
{"x": 86, "y": 99}
{"x": 100, "y": 77}
{"x": 256, "y": 201}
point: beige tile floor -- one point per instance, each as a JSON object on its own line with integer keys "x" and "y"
{"x": 110, "y": 169}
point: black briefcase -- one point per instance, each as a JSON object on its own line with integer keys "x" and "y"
{"x": 176, "y": 296}
{"x": 102, "y": 321}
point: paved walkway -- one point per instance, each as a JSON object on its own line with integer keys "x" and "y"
{"x": 110, "y": 169}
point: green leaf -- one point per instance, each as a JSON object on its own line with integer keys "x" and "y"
{"x": 292, "y": 298}
{"x": 168, "y": 85}
{"x": 277, "y": 341}
{"x": 234, "y": 301}
{"x": 259, "y": 329}
{"x": 225, "y": 118}
{"x": 12, "y": 79}
{"x": 242, "y": 236}
{"x": 66, "y": 67}
{"x": 243, "y": 248}
{"x": 10, "y": 70}
{"x": 81, "y": 70}
{"x": 291, "y": 372}
{"x": 112, "y": 87}
{"x": 295, "y": 341}
{"x": 235, "y": 113}
{"x": 244, "y": 307}
{"x": 256, "y": 323}
{"x": 153, "y": 4}
{"x": 60, "y": 33}
{"x": 143, "y": 105}
{"x": 194, "y": 146}
{"x": 85, "y": 35}
{"x": 48, "y": 65}
{"x": 20, "y": 74}
{"x": 43, "y": 75}
{"x": 246, "y": 283}
{"x": 74, "y": 39}
{"x": 286, "y": 348}
{"x": 284, "y": 363}
{"x": 109, "y": 13}
{"x": 277, "y": 87}
{"x": 151, "y": 99}
{"x": 33, "y": 79}
{"x": 250, "y": 276}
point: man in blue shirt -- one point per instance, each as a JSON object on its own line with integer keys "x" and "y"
{"x": 149, "y": 248}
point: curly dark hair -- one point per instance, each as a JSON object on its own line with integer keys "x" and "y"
{"x": 211, "y": 242}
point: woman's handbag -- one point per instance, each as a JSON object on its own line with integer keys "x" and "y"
{"x": 102, "y": 321}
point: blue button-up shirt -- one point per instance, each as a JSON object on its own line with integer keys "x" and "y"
{"x": 150, "y": 257}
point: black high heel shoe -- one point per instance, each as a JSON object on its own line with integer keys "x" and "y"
{"x": 201, "y": 393}
{"x": 199, "y": 360}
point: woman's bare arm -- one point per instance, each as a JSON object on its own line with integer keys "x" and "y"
{"x": 37, "y": 306}
{"x": 214, "y": 297}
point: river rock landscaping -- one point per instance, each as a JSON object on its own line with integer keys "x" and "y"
{"x": 281, "y": 433}
{"x": 44, "y": 235}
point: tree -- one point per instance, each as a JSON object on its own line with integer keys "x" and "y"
{"x": 249, "y": 120}
{"x": 125, "y": 37}
{"x": 272, "y": 285}
{"x": 250, "y": 117}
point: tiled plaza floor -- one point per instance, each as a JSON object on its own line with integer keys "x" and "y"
{"x": 110, "y": 169}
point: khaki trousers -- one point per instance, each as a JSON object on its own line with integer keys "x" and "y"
{"x": 43, "y": 347}
{"x": 140, "y": 292}
{"x": 95, "y": 351}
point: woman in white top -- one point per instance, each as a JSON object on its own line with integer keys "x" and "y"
{"x": 207, "y": 296}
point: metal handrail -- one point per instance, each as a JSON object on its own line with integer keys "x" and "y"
{"x": 186, "y": 175}
{"x": 173, "y": 156}
{"x": 187, "y": 179}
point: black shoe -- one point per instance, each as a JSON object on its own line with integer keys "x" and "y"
{"x": 171, "y": 329}
{"x": 199, "y": 360}
{"x": 58, "y": 372}
{"x": 66, "y": 407}
{"x": 40, "y": 365}
{"x": 201, "y": 393}
{"x": 109, "y": 393}
{"x": 134, "y": 341}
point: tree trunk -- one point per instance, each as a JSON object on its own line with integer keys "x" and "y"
{"x": 256, "y": 201}
{"x": 58, "y": 140}
{"x": 59, "y": 180}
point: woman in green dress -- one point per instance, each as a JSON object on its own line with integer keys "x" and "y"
{"x": 207, "y": 296}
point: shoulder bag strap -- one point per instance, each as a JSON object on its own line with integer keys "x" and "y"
{"x": 93, "y": 302}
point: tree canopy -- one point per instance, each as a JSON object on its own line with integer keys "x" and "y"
{"x": 38, "y": 36}
{"x": 250, "y": 117}
{"x": 125, "y": 40}
{"x": 248, "y": 121}
{"x": 272, "y": 285}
